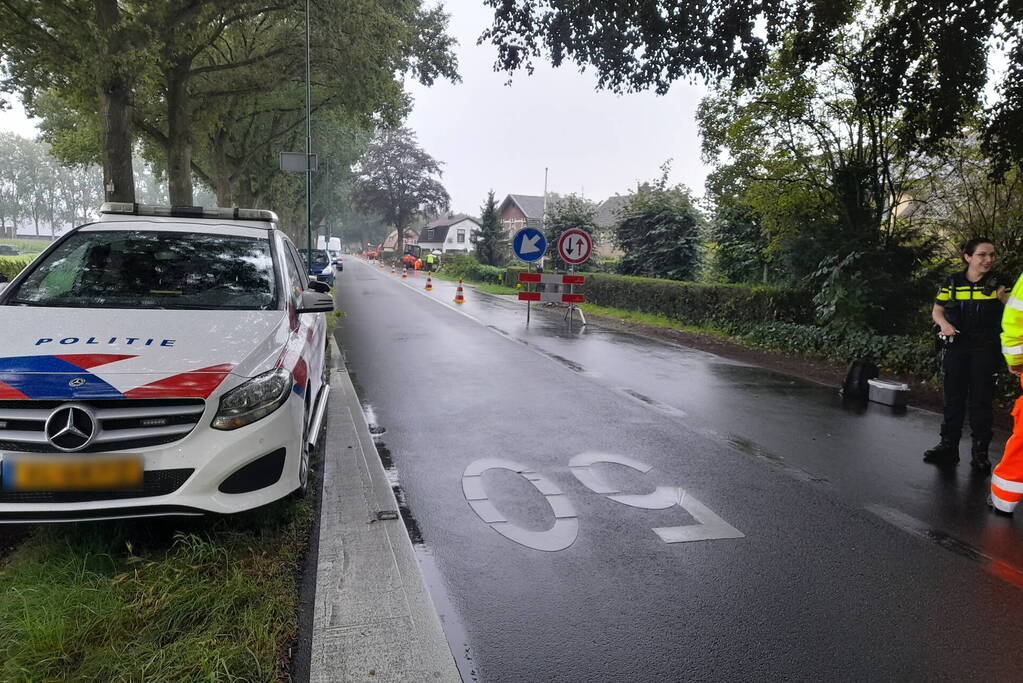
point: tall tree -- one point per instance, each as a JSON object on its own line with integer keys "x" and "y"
{"x": 821, "y": 169}
{"x": 929, "y": 57}
{"x": 395, "y": 177}
{"x": 659, "y": 231}
{"x": 93, "y": 53}
{"x": 490, "y": 238}
{"x": 564, "y": 213}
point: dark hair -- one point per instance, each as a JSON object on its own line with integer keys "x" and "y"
{"x": 972, "y": 244}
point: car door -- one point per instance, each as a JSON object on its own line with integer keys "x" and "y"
{"x": 308, "y": 331}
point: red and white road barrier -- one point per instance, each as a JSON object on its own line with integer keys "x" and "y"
{"x": 551, "y": 296}
{"x": 552, "y": 279}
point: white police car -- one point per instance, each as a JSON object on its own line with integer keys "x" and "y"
{"x": 160, "y": 361}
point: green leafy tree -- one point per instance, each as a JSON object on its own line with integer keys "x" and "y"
{"x": 954, "y": 198}
{"x": 214, "y": 88}
{"x": 564, "y": 213}
{"x": 927, "y": 58}
{"x": 94, "y": 54}
{"x": 660, "y": 231}
{"x": 820, "y": 165}
{"x": 490, "y": 239}
{"x": 396, "y": 179}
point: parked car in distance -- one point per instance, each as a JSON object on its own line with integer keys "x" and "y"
{"x": 160, "y": 361}
{"x": 320, "y": 265}
{"x": 335, "y": 258}
{"x": 8, "y": 250}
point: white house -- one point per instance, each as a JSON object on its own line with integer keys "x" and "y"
{"x": 454, "y": 233}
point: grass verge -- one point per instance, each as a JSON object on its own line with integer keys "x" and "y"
{"x": 27, "y": 246}
{"x": 655, "y": 320}
{"x": 212, "y": 599}
{"x": 482, "y": 286}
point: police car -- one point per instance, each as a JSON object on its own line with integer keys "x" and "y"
{"x": 160, "y": 361}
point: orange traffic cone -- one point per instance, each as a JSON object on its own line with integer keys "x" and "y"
{"x": 459, "y": 297}
{"x": 429, "y": 283}
{"x": 404, "y": 273}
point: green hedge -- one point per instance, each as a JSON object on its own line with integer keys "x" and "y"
{"x": 12, "y": 265}
{"x": 899, "y": 354}
{"x": 731, "y": 308}
{"x": 895, "y": 353}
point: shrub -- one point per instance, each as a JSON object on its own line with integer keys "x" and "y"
{"x": 466, "y": 266}
{"x": 10, "y": 266}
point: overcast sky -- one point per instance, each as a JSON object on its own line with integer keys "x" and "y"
{"x": 491, "y": 135}
{"x": 494, "y": 136}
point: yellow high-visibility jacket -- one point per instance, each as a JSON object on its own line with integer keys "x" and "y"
{"x": 1012, "y": 326}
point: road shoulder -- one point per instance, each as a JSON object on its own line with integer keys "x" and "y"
{"x": 373, "y": 617}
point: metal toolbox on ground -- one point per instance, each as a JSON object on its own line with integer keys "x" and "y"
{"x": 888, "y": 392}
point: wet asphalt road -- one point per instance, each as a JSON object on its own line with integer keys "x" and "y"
{"x": 832, "y": 550}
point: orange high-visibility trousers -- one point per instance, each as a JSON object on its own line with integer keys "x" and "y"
{"x": 1007, "y": 479}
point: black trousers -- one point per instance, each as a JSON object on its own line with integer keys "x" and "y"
{"x": 969, "y": 384}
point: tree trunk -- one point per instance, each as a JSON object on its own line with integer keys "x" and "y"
{"x": 222, "y": 173}
{"x": 115, "y": 109}
{"x": 179, "y": 139}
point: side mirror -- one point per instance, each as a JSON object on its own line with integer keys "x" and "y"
{"x": 315, "y": 302}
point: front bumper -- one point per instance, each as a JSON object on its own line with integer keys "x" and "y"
{"x": 195, "y": 467}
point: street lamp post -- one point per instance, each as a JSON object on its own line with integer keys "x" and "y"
{"x": 308, "y": 146}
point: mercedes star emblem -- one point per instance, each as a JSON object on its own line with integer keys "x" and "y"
{"x": 71, "y": 427}
{"x": 76, "y": 382}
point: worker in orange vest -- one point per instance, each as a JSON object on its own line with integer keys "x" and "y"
{"x": 1007, "y": 479}
{"x": 419, "y": 264}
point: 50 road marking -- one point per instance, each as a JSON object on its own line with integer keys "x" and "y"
{"x": 709, "y": 526}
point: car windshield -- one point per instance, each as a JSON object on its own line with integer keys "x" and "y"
{"x": 153, "y": 269}
{"x": 320, "y": 257}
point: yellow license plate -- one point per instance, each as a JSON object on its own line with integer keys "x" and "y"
{"x": 92, "y": 474}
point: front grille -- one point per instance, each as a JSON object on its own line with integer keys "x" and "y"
{"x": 154, "y": 483}
{"x": 126, "y": 424}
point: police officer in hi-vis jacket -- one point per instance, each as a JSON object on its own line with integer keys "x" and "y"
{"x": 968, "y": 313}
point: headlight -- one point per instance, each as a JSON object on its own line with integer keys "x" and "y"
{"x": 253, "y": 400}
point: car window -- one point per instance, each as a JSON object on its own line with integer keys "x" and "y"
{"x": 320, "y": 257}
{"x": 153, "y": 269}
{"x": 296, "y": 270}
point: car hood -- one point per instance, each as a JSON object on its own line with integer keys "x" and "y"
{"x": 74, "y": 353}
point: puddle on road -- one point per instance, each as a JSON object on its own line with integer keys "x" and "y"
{"x": 454, "y": 631}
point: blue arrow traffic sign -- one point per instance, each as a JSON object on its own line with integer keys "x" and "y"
{"x": 529, "y": 245}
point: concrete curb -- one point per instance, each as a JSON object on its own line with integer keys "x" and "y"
{"x": 373, "y": 617}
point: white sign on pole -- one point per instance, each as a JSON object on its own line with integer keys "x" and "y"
{"x": 296, "y": 161}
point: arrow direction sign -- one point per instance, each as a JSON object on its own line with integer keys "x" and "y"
{"x": 574, "y": 246}
{"x": 529, "y": 245}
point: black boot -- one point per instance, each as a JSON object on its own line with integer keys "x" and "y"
{"x": 978, "y": 456}
{"x": 991, "y": 505}
{"x": 945, "y": 453}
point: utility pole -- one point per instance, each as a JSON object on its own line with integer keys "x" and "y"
{"x": 308, "y": 145}
{"x": 543, "y": 219}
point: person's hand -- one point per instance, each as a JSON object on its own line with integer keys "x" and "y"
{"x": 947, "y": 330}
{"x": 1016, "y": 370}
